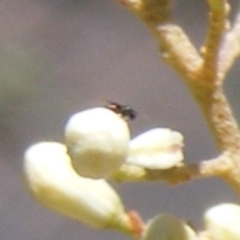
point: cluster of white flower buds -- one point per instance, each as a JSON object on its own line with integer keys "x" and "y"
{"x": 70, "y": 178}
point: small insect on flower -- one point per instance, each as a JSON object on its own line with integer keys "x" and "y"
{"x": 124, "y": 110}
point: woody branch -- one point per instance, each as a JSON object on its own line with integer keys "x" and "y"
{"x": 203, "y": 72}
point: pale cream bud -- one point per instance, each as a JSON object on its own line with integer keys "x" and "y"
{"x": 97, "y": 141}
{"x": 223, "y": 222}
{"x": 54, "y": 183}
{"x": 166, "y": 226}
{"x": 159, "y": 148}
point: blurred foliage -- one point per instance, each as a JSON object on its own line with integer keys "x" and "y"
{"x": 20, "y": 70}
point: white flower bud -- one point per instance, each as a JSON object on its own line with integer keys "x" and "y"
{"x": 54, "y": 183}
{"x": 97, "y": 141}
{"x": 166, "y": 226}
{"x": 158, "y": 148}
{"x": 223, "y": 222}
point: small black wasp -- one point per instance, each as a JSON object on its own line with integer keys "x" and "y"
{"x": 125, "y": 111}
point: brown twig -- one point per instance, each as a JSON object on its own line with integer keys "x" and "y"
{"x": 230, "y": 48}
{"x": 217, "y": 25}
{"x": 175, "y": 46}
{"x": 207, "y": 168}
{"x": 219, "y": 117}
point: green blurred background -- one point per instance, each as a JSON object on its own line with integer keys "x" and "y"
{"x": 62, "y": 56}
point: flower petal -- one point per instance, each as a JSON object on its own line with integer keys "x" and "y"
{"x": 54, "y": 183}
{"x": 158, "y": 148}
{"x": 223, "y": 222}
{"x": 166, "y": 226}
{"x": 97, "y": 141}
